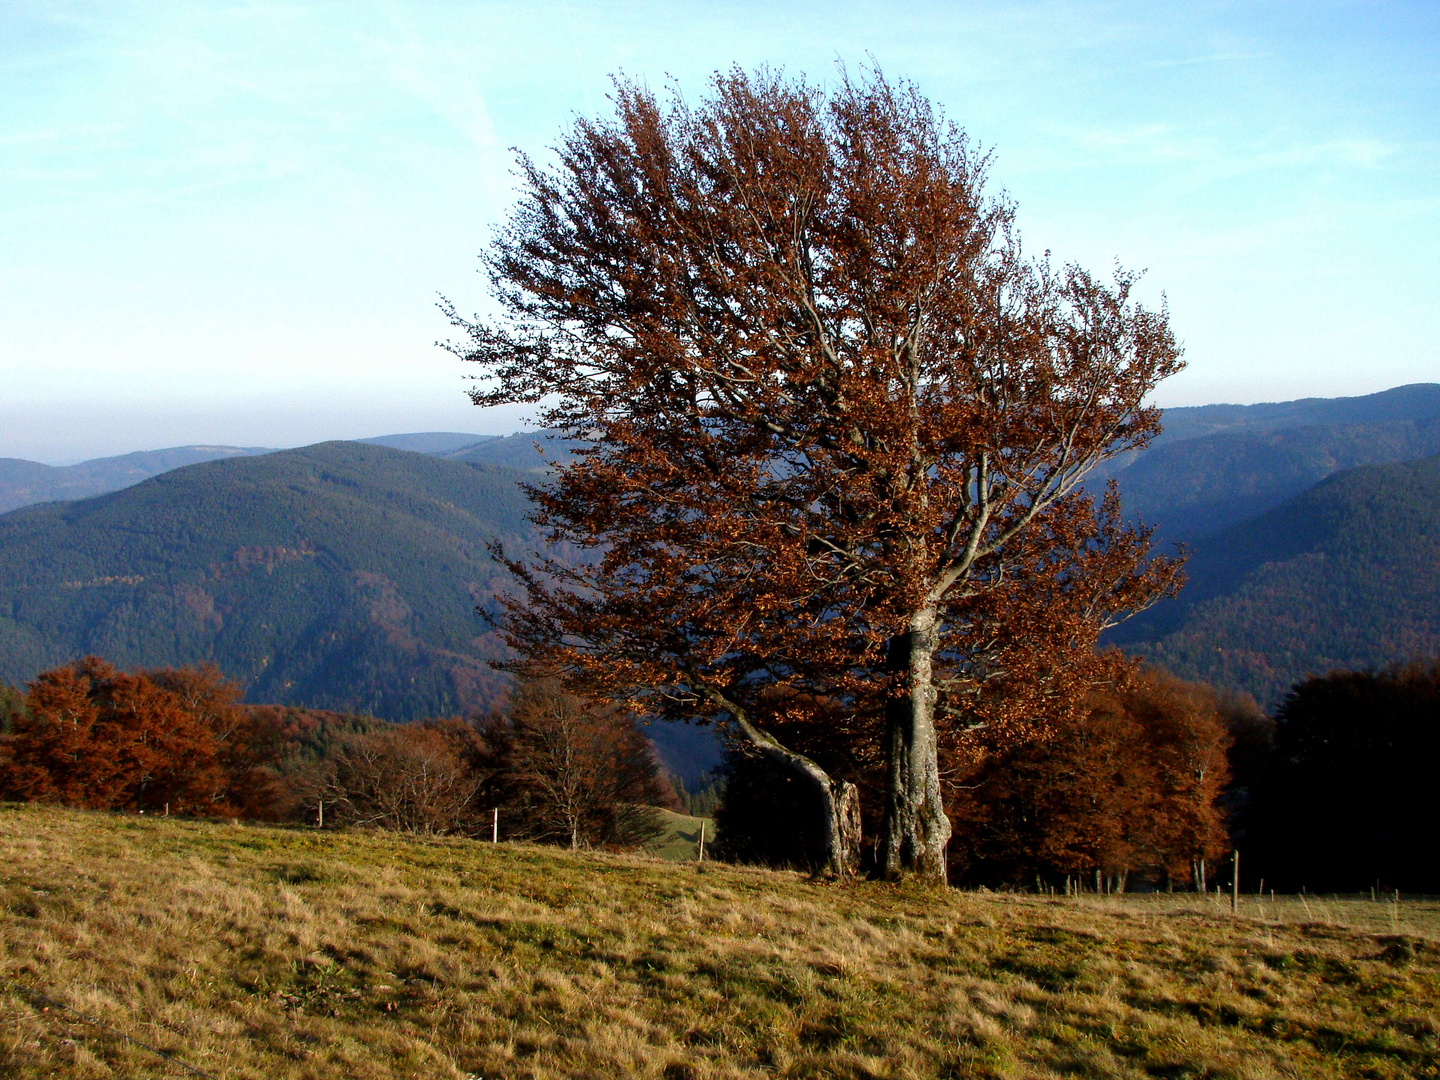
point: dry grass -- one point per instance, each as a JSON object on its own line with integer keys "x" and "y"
{"x": 270, "y": 953}
{"x": 1411, "y": 917}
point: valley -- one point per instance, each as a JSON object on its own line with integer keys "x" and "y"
{"x": 346, "y": 575}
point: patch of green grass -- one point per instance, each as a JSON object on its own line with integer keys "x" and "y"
{"x": 681, "y": 840}
{"x": 285, "y": 953}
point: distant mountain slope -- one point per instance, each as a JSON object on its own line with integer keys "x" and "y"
{"x": 1216, "y": 465}
{"x": 439, "y": 443}
{"x": 339, "y": 576}
{"x": 1197, "y": 487}
{"x": 18, "y": 478}
{"x": 24, "y": 483}
{"x": 1346, "y": 575}
{"x": 523, "y": 450}
{"x": 1416, "y": 401}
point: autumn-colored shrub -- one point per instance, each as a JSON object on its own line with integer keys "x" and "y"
{"x": 560, "y": 768}
{"x": 420, "y": 778}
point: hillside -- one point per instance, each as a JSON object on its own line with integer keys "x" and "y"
{"x": 1238, "y": 460}
{"x": 1195, "y": 488}
{"x": 439, "y": 443}
{"x": 324, "y": 578}
{"x": 340, "y": 576}
{"x": 1216, "y": 465}
{"x": 527, "y": 450}
{"x": 1346, "y": 575}
{"x": 1416, "y": 401}
{"x": 288, "y": 954}
{"x": 24, "y": 483}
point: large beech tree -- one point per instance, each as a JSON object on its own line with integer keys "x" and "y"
{"x": 835, "y": 424}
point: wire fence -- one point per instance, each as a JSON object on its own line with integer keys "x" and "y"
{"x": 1379, "y": 913}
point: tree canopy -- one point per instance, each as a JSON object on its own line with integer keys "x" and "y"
{"x": 95, "y": 737}
{"x": 1344, "y": 801}
{"x": 837, "y": 423}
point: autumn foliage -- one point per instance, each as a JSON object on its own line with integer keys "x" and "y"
{"x": 835, "y": 421}
{"x": 1128, "y": 786}
{"x": 559, "y": 767}
{"x": 95, "y": 737}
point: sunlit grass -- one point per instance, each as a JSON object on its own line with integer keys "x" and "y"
{"x": 1418, "y": 917}
{"x": 681, "y": 840}
{"x": 273, "y": 953}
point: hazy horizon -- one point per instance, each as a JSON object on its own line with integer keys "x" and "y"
{"x": 520, "y": 430}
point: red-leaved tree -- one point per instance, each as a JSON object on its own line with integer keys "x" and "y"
{"x": 95, "y": 737}
{"x": 835, "y": 425}
{"x": 1128, "y": 780}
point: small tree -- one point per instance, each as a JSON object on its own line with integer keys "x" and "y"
{"x": 410, "y": 778}
{"x": 835, "y": 420}
{"x": 574, "y": 771}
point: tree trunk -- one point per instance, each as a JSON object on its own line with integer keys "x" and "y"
{"x": 916, "y": 829}
{"x": 845, "y": 833}
{"x": 839, "y": 801}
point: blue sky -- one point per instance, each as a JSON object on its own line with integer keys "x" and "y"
{"x": 227, "y": 223}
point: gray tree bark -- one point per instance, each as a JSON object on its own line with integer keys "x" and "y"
{"x": 839, "y": 801}
{"x": 916, "y": 830}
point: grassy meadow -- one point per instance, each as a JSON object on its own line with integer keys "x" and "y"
{"x": 271, "y": 953}
{"x": 680, "y": 842}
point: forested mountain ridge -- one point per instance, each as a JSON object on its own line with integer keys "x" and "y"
{"x": 1343, "y": 576}
{"x": 1414, "y": 401}
{"x": 1216, "y": 465}
{"x": 1238, "y": 460}
{"x": 24, "y": 483}
{"x": 527, "y": 450}
{"x": 1197, "y": 487}
{"x": 439, "y": 443}
{"x": 341, "y": 576}
{"x": 345, "y": 575}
